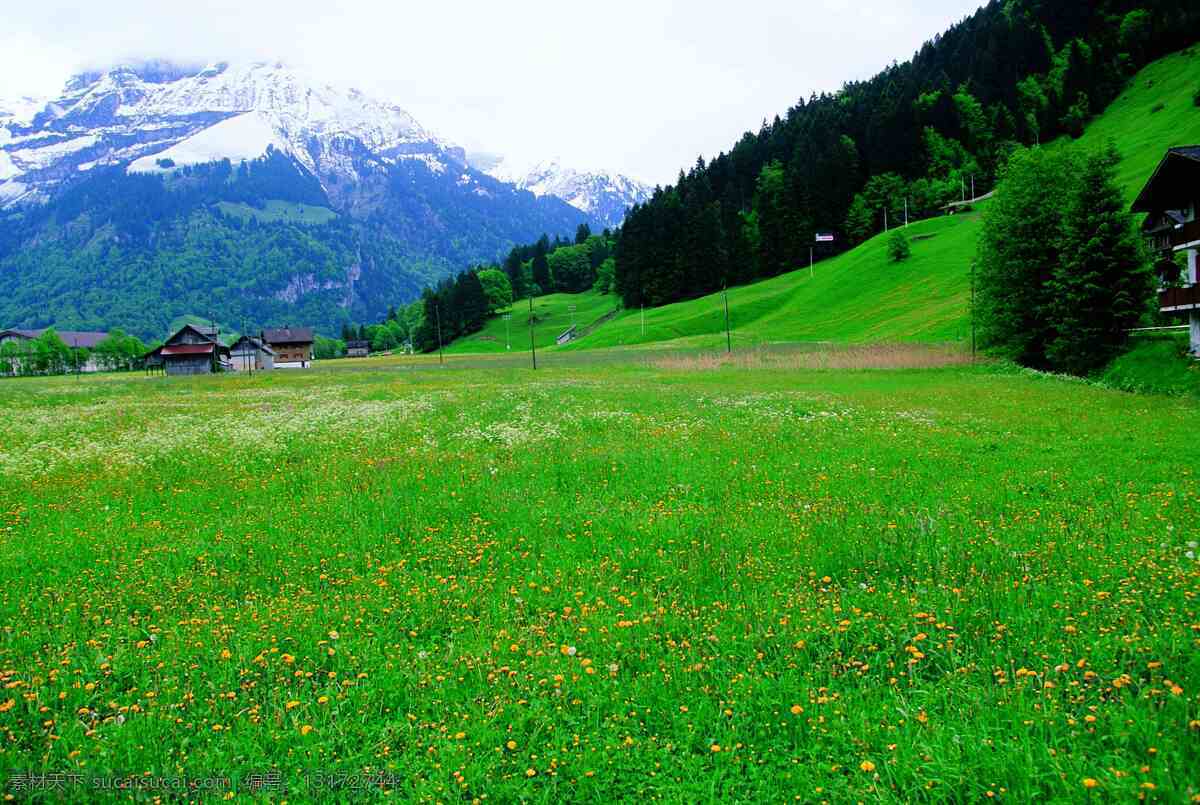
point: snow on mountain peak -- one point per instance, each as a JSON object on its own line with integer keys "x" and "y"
{"x": 603, "y": 195}
{"x": 155, "y": 114}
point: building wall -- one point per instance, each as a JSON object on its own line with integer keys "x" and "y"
{"x": 257, "y": 359}
{"x": 292, "y": 353}
{"x": 189, "y": 364}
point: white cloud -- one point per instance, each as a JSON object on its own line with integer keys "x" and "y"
{"x": 638, "y": 86}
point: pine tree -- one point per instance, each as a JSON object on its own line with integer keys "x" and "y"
{"x": 860, "y": 220}
{"x": 515, "y": 269}
{"x": 1018, "y": 249}
{"x": 541, "y": 267}
{"x": 582, "y": 233}
{"x": 1104, "y": 283}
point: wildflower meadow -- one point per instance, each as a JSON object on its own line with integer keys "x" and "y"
{"x": 689, "y": 581}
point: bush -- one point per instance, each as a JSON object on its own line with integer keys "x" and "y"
{"x": 899, "y": 249}
{"x": 1196, "y": 98}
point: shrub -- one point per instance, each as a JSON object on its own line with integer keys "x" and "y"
{"x": 1196, "y": 98}
{"x": 898, "y": 246}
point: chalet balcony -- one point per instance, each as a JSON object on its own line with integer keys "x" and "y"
{"x": 1179, "y": 300}
{"x": 1188, "y": 233}
{"x": 1167, "y": 239}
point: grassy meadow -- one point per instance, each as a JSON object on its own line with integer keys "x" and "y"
{"x": 690, "y": 580}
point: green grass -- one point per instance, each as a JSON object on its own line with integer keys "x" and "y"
{"x": 1156, "y": 363}
{"x": 274, "y": 210}
{"x": 552, "y": 316}
{"x": 858, "y": 296}
{"x": 603, "y": 583}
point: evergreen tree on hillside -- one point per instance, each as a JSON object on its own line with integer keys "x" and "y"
{"x": 1019, "y": 248}
{"x": 469, "y": 302}
{"x": 1104, "y": 283}
{"x": 860, "y": 220}
{"x": 514, "y": 267}
{"x": 582, "y": 233}
{"x": 541, "y": 267}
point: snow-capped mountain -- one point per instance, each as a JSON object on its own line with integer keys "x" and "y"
{"x": 147, "y": 191}
{"x": 157, "y": 116}
{"x": 604, "y": 196}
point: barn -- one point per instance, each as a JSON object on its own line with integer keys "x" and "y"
{"x": 192, "y": 350}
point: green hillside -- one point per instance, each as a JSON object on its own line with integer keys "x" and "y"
{"x": 858, "y": 296}
{"x": 1156, "y": 111}
{"x": 861, "y": 295}
{"x": 552, "y": 315}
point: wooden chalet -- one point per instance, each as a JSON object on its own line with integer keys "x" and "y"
{"x": 251, "y": 354}
{"x": 192, "y": 350}
{"x": 358, "y": 349}
{"x": 293, "y": 346}
{"x": 1171, "y": 201}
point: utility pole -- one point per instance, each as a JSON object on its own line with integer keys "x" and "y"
{"x": 437, "y": 313}
{"x": 728, "y": 337}
{"x": 973, "y": 196}
{"x": 810, "y": 262}
{"x": 906, "y": 212}
{"x": 507, "y": 340}
{"x": 885, "y": 220}
{"x": 532, "y": 345}
{"x": 643, "y": 319}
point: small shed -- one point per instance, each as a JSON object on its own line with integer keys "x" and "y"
{"x": 567, "y": 336}
{"x": 251, "y": 354}
{"x": 358, "y": 349}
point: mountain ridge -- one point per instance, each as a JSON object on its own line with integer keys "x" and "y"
{"x": 143, "y": 192}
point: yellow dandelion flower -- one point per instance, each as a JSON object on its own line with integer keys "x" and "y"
{"x": 867, "y": 766}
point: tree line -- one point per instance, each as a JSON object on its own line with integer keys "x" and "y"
{"x": 461, "y": 304}
{"x": 908, "y": 141}
{"x": 49, "y": 354}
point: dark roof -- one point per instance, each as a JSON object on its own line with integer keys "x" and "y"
{"x": 288, "y": 335}
{"x": 256, "y": 343}
{"x": 72, "y": 338}
{"x": 209, "y": 333}
{"x": 1175, "y": 182}
{"x": 358, "y": 345}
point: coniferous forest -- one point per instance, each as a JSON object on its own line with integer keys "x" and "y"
{"x": 917, "y": 136}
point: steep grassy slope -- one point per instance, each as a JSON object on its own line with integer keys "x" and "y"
{"x": 552, "y": 315}
{"x": 858, "y": 296}
{"x": 861, "y": 296}
{"x": 1155, "y": 112}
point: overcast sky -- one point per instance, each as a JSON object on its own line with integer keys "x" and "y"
{"x": 637, "y": 86}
